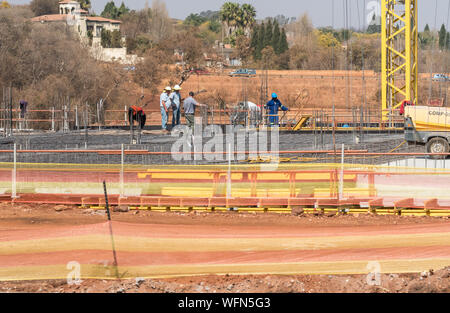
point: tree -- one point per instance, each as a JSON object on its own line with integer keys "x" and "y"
{"x": 229, "y": 14}
{"x": 85, "y": 4}
{"x": 427, "y": 29}
{"x": 261, "y": 38}
{"x": 254, "y": 42}
{"x": 161, "y": 24}
{"x": 283, "y": 45}
{"x": 116, "y": 39}
{"x": 268, "y": 58}
{"x": 237, "y": 18}
{"x": 149, "y": 72}
{"x": 110, "y": 10}
{"x": 268, "y": 34}
{"x": 442, "y": 37}
{"x": 113, "y": 12}
{"x": 276, "y": 37}
{"x": 243, "y": 49}
{"x": 303, "y": 27}
{"x": 447, "y": 42}
{"x": 194, "y": 20}
{"x": 44, "y": 7}
{"x": 248, "y": 17}
{"x": 105, "y": 38}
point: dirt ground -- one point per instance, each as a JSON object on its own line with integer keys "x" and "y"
{"x": 426, "y": 282}
{"x": 29, "y": 216}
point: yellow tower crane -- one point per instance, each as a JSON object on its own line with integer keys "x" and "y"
{"x": 399, "y": 43}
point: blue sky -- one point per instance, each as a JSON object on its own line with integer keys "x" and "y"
{"x": 318, "y": 10}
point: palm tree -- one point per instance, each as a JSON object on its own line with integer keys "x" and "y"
{"x": 248, "y": 17}
{"x": 229, "y": 15}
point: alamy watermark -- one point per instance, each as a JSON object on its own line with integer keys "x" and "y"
{"x": 374, "y": 276}
{"x": 374, "y": 9}
{"x": 231, "y": 143}
{"x": 74, "y": 276}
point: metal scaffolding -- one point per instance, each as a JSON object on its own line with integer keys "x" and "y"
{"x": 399, "y": 44}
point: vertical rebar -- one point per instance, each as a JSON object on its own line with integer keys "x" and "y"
{"x": 53, "y": 119}
{"x": 14, "y": 172}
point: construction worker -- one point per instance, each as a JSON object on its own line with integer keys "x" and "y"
{"x": 175, "y": 102}
{"x": 189, "y": 105}
{"x": 272, "y": 106}
{"x": 136, "y": 113}
{"x": 164, "y": 106}
{"x": 403, "y": 105}
{"x": 23, "y": 108}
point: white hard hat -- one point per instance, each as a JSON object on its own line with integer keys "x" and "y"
{"x": 177, "y": 87}
{"x": 168, "y": 88}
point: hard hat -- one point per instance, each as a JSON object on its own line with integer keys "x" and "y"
{"x": 177, "y": 87}
{"x": 168, "y": 88}
{"x": 274, "y": 95}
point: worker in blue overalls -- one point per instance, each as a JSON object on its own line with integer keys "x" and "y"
{"x": 272, "y": 106}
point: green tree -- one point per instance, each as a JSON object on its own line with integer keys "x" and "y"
{"x": 254, "y": 42}
{"x": 214, "y": 26}
{"x": 447, "y": 43}
{"x": 442, "y": 37}
{"x": 283, "y": 45}
{"x": 248, "y": 13}
{"x": 276, "y": 37}
{"x": 110, "y": 10}
{"x": 123, "y": 9}
{"x": 229, "y": 13}
{"x": 427, "y": 29}
{"x": 116, "y": 39}
{"x": 85, "y": 4}
{"x": 194, "y": 20}
{"x": 268, "y": 34}
{"x": 237, "y": 19}
{"x": 113, "y": 12}
{"x": 261, "y": 38}
{"x": 106, "y": 38}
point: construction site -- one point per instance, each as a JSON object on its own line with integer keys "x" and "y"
{"x": 347, "y": 193}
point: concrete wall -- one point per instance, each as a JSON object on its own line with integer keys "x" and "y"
{"x": 114, "y": 55}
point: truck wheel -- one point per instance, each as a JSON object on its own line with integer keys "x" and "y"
{"x": 438, "y": 145}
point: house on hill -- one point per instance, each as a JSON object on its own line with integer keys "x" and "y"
{"x": 89, "y": 29}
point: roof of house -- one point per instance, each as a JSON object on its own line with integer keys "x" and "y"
{"x": 65, "y": 17}
{"x": 50, "y": 18}
{"x": 102, "y": 19}
{"x": 67, "y": 1}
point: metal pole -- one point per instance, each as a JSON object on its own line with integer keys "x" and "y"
{"x": 341, "y": 178}
{"x": 86, "y": 125}
{"x": 14, "y": 191}
{"x": 122, "y": 159}
{"x": 116, "y": 267}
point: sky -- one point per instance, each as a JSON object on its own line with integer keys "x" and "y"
{"x": 318, "y": 10}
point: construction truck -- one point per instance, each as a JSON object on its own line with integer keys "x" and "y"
{"x": 429, "y": 126}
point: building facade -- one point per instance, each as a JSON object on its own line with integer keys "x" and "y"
{"x": 89, "y": 29}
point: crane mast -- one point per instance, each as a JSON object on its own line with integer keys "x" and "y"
{"x": 399, "y": 54}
